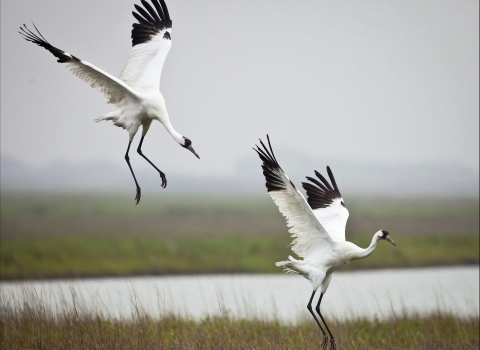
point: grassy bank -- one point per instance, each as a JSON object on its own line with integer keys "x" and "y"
{"x": 38, "y": 215}
{"x": 31, "y": 328}
{"x": 73, "y": 235}
{"x": 81, "y": 256}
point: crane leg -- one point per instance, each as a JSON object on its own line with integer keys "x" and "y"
{"x": 127, "y": 158}
{"x": 333, "y": 345}
{"x": 325, "y": 338}
{"x": 162, "y": 175}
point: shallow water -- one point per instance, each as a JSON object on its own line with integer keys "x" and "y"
{"x": 374, "y": 293}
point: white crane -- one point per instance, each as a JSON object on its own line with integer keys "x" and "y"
{"x": 136, "y": 94}
{"x": 317, "y": 226}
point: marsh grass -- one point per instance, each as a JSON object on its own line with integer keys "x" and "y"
{"x": 55, "y": 235}
{"x": 36, "y": 215}
{"x": 31, "y": 325}
{"x": 97, "y": 256}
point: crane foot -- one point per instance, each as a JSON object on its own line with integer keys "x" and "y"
{"x": 138, "y": 195}
{"x": 164, "y": 180}
{"x": 333, "y": 345}
{"x": 324, "y": 342}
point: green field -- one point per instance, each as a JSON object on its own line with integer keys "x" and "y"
{"x": 31, "y": 327}
{"x": 79, "y": 235}
{"x": 84, "y": 256}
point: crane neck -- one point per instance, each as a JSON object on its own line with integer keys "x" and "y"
{"x": 363, "y": 253}
{"x": 176, "y": 136}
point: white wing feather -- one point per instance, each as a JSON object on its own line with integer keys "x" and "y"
{"x": 308, "y": 234}
{"x": 334, "y": 219}
{"x": 112, "y": 88}
{"x": 151, "y": 42}
{"x": 327, "y": 204}
{"x": 145, "y": 62}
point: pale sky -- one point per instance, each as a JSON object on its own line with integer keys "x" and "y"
{"x": 376, "y": 81}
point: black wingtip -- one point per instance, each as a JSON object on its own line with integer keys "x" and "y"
{"x": 150, "y": 21}
{"x": 332, "y": 179}
{"x": 39, "y": 32}
{"x": 324, "y": 180}
{"x": 320, "y": 193}
{"x": 271, "y": 149}
{"x": 38, "y": 39}
{"x": 270, "y": 166}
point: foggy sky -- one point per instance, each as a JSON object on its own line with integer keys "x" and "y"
{"x": 379, "y": 81}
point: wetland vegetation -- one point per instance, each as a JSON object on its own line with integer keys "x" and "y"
{"x": 85, "y": 235}
{"x": 93, "y": 235}
{"x": 30, "y": 326}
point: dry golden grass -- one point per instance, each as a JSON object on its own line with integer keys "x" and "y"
{"x": 32, "y": 327}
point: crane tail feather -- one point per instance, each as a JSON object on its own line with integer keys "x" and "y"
{"x": 292, "y": 265}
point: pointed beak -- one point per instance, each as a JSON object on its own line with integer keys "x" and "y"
{"x": 190, "y": 148}
{"x": 390, "y": 240}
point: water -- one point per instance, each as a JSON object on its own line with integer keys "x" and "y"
{"x": 378, "y": 293}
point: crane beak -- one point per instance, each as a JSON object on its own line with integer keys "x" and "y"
{"x": 390, "y": 240}
{"x": 190, "y": 148}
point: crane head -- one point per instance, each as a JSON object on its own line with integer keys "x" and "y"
{"x": 188, "y": 145}
{"x": 382, "y": 234}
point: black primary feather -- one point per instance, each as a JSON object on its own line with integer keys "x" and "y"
{"x": 150, "y": 22}
{"x": 332, "y": 179}
{"x": 321, "y": 194}
{"x": 62, "y": 56}
{"x": 271, "y": 169}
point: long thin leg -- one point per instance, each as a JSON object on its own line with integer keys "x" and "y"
{"x": 325, "y": 338}
{"x": 333, "y": 345}
{"x": 162, "y": 175}
{"x": 127, "y": 158}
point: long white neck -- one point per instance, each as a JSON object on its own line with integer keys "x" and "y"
{"x": 176, "y": 136}
{"x": 361, "y": 253}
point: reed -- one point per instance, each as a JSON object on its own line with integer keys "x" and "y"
{"x": 31, "y": 325}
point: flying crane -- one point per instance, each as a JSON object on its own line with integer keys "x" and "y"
{"x": 136, "y": 94}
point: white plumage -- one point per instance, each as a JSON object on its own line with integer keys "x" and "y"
{"x": 317, "y": 226}
{"x": 136, "y": 93}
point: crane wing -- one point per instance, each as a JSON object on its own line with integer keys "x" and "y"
{"x": 112, "y": 88}
{"x": 151, "y": 42}
{"x": 307, "y": 232}
{"x": 327, "y": 204}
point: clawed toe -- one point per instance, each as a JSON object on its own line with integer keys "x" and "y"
{"x": 164, "y": 180}
{"x": 324, "y": 342}
{"x": 333, "y": 345}
{"x": 138, "y": 195}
